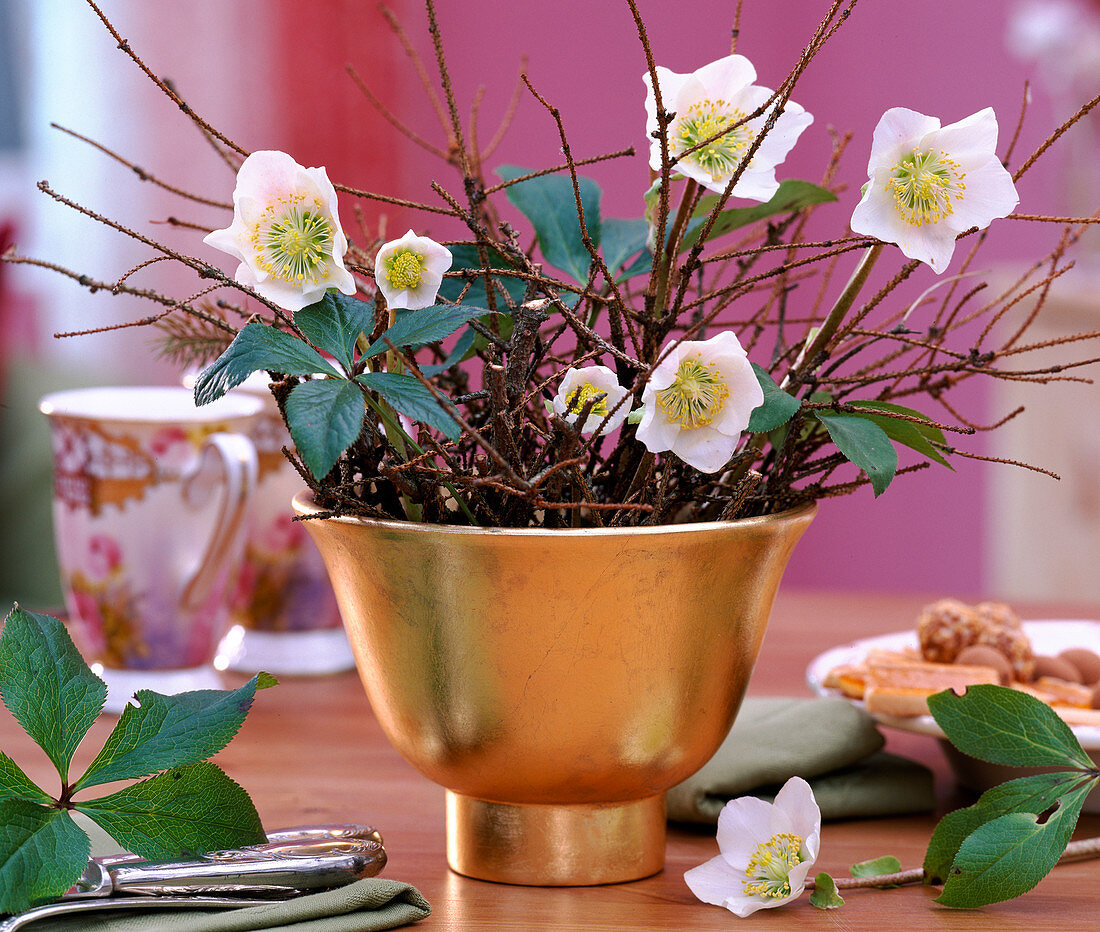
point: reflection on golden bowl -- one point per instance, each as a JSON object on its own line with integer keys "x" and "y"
{"x": 556, "y": 682}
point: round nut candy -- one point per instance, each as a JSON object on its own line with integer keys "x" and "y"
{"x": 946, "y": 627}
{"x": 1057, "y": 667}
{"x": 982, "y": 655}
{"x": 1086, "y": 661}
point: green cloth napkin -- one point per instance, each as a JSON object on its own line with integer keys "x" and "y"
{"x": 363, "y": 906}
{"x": 830, "y": 743}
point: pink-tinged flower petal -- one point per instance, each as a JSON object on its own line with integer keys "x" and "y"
{"x": 898, "y": 130}
{"x": 726, "y": 76}
{"x": 742, "y": 824}
{"x": 972, "y": 141}
{"x": 991, "y": 193}
{"x": 715, "y": 882}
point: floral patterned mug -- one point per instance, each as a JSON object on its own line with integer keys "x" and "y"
{"x": 151, "y": 497}
{"x": 282, "y": 612}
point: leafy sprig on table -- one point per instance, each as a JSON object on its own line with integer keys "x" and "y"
{"x": 187, "y": 804}
{"x": 1011, "y": 838}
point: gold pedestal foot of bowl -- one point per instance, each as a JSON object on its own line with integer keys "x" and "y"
{"x": 555, "y": 845}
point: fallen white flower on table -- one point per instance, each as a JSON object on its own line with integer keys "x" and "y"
{"x": 930, "y": 183}
{"x": 767, "y": 850}
{"x": 715, "y": 96}
{"x": 578, "y": 386}
{"x": 286, "y": 232}
{"x": 409, "y": 271}
{"x": 698, "y": 401}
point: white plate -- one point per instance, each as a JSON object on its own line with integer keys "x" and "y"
{"x": 1047, "y": 637}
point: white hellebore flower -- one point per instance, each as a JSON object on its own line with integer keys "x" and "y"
{"x": 930, "y": 183}
{"x": 767, "y": 849}
{"x": 410, "y": 270}
{"x": 715, "y": 96}
{"x": 698, "y": 401}
{"x": 286, "y": 232}
{"x": 580, "y": 385}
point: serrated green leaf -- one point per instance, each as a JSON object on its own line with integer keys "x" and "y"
{"x": 257, "y": 347}
{"x": 408, "y": 396}
{"x": 887, "y": 864}
{"x": 179, "y": 813}
{"x": 1034, "y": 794}
{"x": 325, "y": 416}
{"x": 549, "y": 203}
{"x": 865, "y": 444}
{"x": 1006, "y": 726}
{"x": 334, "y": 323}
{"x": 14, "y": 784}
{"x": 792, "y": 195}
{"x": 463, "y": 345}
{"x": 825, "y": 895}
{"x": 427, "y": 325}
{"x": 169, "y": 731}
{"x": 621, "y": 240}
{"x": 777, "y": 407}
{"x": 908, "y": 433}
{"x": 465, "y": 256}
{"x": 1008, "y": 856}
{"x": 42, "y": 853}
{"x": 46, "y": 684}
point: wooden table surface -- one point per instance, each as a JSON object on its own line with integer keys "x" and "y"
{"x": 311, "y": 751}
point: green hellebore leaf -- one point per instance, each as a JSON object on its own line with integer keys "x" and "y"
{"x": 792, "y": 195}
{"x": 463, "y": 345}
{"x": 257, "y": 347}
{"x": 1009, "y": 855}
{"x": 47, "y": 686}
{"x": 325, "y": 416}
{"x": 334, "y": 323}
{"x": 1034, "y": 794}
{"x": 825, "y": 894}
{"x": 887, "y": 864}
{"x": 427, "y": 325}
{"x": 181, "y": 812}
{"x": 908, "y": 433}
{"x": 407, "y": 395}
{"x": 169, "y": 731}
{"x": 865, "y": 444}
{"x": 1006, "y": 726}
{"x": 42, "y": 852}
{"x": 549, "y": 203}
{"x": 14, "y": 784}
{"x": 621, "y": 240}
{"x": 777, "y": 407}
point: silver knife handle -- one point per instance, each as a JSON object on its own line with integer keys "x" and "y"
{"x": 273, "y": 869}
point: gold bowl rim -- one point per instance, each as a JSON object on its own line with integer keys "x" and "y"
{"x": 304, "y": 504}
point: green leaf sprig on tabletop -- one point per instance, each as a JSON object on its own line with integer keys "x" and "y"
{"x": 1013, "y": 836}
{"x": 185, "y": 804}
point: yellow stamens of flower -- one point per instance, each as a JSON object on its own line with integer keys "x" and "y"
{"x": 768, "y": 873}
{"x": 698, "y": 392}
{"x": 923, "y": 184}
{"x": 580, "y": 396}
{"x": 293, "y": 239}
{"x": 405, "y": 269}
{"x": 701, "y": 121}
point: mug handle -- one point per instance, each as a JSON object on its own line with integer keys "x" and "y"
{"x": 237, "y": 454}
